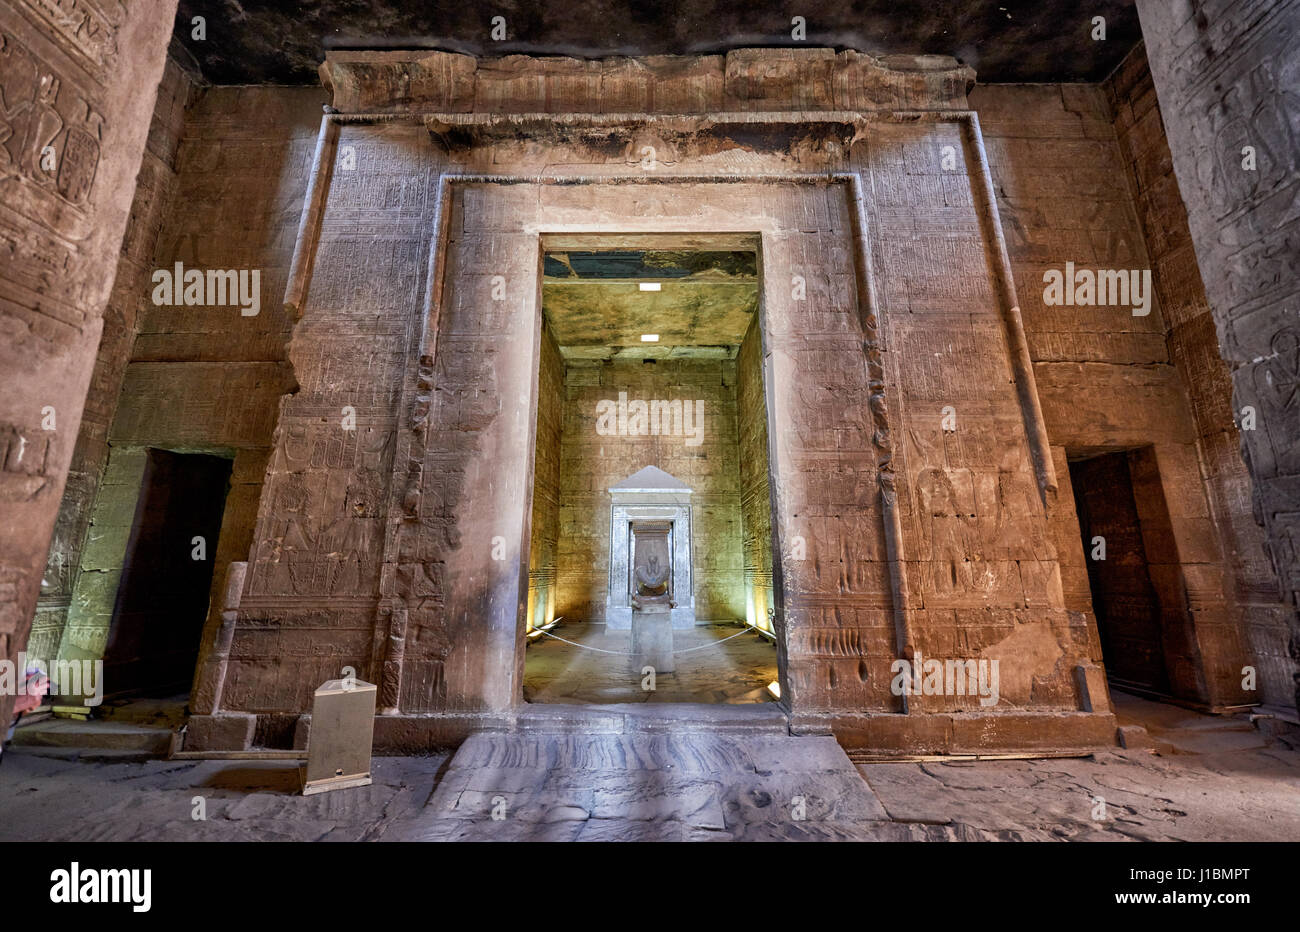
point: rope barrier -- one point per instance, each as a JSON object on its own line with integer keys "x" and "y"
{"x": 601, "y": 650}
{"x": 687, "y": 650}
{"x": 628, "y": 653}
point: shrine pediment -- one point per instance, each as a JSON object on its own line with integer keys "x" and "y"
{"x": 650, "y": 479}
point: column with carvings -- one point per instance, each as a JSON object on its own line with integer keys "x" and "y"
{"x": 1228, "y": 76}
{"x": 78, "y": 81}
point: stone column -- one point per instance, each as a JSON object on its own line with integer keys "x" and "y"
{"x": 1228, "y": 76}
{"x": 78, "y": 97}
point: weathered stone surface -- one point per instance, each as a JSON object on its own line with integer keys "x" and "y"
{"x": 1106, "y": 377}
{"x": 372, "y": 546}
{"x": 1257, "y": 611}
{"x": 216, "y": 732}
{"x": 611, "y": 786}
{"x": 1226, "y": 75}
{"x": 760, "y": 79}
{"x": 1048, "y": 41}
{"x": 102, "y": 549}
{"x": 1225, "y": 781}
{"x": 78, "y": 95}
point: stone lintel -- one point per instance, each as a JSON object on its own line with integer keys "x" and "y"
{"x": 814, "y": 79}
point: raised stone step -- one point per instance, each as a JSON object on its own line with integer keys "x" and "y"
{"x": 647, "y": 786}
{"x": 94, "y": 735}
{"x": 652, "y": 717}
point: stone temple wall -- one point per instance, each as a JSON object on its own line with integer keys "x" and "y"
{"x": 155, "y": 187}
{"x": 592, "y": 462}
{"x": 544, "y": 547}
{"x": 755, "y": 480}
{"x": 395, "y": 542}
{"x": 1228, "y": 79}
{"x": 1112, "y": 380}
{"x": 221, "y": 187}
{"x": 336, "y": 482}
{"x": 210, "y": 378}
{"x": 375, "y": 547}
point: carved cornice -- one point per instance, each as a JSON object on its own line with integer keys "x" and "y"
{"x": 744, "y": 80}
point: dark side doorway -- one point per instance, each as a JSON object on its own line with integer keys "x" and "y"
{"x": 1124, "y": 599}
{"x": 162, "y": 599}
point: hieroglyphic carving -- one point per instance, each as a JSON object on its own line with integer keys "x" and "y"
{"x": 89, "y": 29}
{"x": 64, "y": 204}
{"x": 48, "y": 137}
{"x": 24, "y": 463}
{"x": 324, "y": 530}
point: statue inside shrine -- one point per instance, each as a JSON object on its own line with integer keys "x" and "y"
{"x": 650, "y": 594}
{"x": 650, "y": 551}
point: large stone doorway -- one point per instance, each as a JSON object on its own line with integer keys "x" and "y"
{"x": 651, "y": 491}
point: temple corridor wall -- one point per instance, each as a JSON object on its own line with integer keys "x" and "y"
{"x": 592, "y": 462}
{"x": 209, "y": 377}
{"x": 328, "y": 521}
{"x": 1109, "y": 378}
{"x": 544, "y": 545}
{"x": 1259, "y": 611}
{"x": 755, "y": 481}
{"x": 377, "y": 549}
{"x": 68, "y": 565}
{"x": 199, "y": 378}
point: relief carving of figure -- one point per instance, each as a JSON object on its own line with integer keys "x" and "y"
{"x": 19, "y": 82}
{"x": 37, "y": 141}
{"x": 651, "y": 578}
{"x": 651, "y": 589}
{"x": 43, "y": 128}
{"x": 947, "y": 531}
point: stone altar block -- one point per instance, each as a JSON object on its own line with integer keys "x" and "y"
{"x": 652, "y": 594}
{"x": 656, "y": 507}
{"x": 652, "y": 641}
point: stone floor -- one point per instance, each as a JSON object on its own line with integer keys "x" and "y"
{"x": 627, "y": 774}
{"x": 738, "y": 670}
{"x": 1203, "y": 778}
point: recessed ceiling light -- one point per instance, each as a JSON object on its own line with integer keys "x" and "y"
{"x": 649, "y": 338}
{"x": 649, "y": 286}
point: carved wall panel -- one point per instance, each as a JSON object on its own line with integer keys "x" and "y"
{"x": 73, "y": 123}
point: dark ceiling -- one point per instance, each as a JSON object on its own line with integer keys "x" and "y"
{"x": 264, "y": 42}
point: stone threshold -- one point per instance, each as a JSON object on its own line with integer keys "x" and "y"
{"x": 653, "y": 717}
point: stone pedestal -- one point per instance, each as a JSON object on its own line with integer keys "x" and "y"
{"x": 652, "y": 640}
